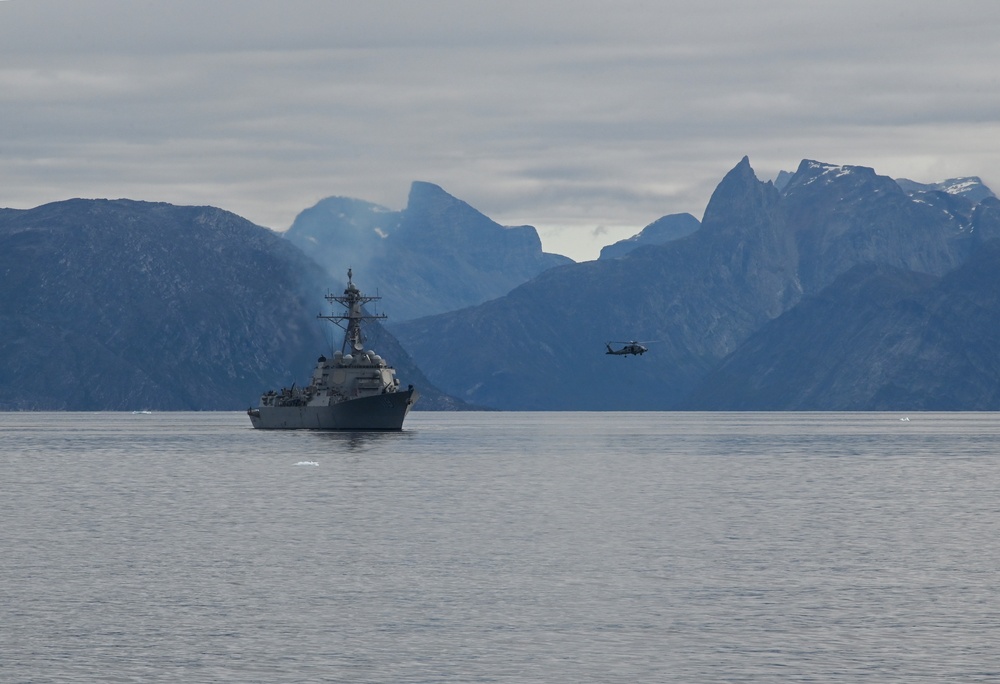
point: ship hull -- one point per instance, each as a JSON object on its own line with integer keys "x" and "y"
{"x": 379, "y": 412}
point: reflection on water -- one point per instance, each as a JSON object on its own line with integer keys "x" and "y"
{"x": 358, "y": 440}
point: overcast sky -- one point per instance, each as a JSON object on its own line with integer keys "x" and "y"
{"x": 588, "y": 120}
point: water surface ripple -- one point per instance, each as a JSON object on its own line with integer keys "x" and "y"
{"x": 501, "y": 547}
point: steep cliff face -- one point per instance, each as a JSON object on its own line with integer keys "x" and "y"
{"x": 828, "y": 352}
{"x": 878, "y": 338}
{"x": 753, "y": 254}
{"x": 845, "y": 215}
{"x": 700, "y": 298}
{"x": 903, "y": 309}
{"x": 125, "y": 305}
{"x": 842, "y": 290}
{"x": 985, "y": 222}
{"x": 542, "y": 346}
{"x": 439, "y": 254}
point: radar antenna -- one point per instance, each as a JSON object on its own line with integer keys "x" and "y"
{"x": 353, "y": 301}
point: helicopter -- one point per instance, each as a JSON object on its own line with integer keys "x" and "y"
{"x": 632, "y": 347}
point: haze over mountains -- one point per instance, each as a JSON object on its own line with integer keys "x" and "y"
{"x": 659, "y": 232}
{"x": 832, "y": 288}
{"x": 438, "y": 254}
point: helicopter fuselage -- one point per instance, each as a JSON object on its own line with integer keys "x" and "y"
{"x": 631, "y": 348}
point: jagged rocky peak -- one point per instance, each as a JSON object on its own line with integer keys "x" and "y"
{"x": 432, "y": 201}
{"x": 426, "y": 197}
{"x": 840, "y": 183}
{"x": 433, "y": 217}
{"x": 739, "y": 200}
{"x": 740, "y": 179}
{"x": 971, "y": 188}
{"x": 812, "y": 172}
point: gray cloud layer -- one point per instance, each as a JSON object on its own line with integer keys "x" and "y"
{"x": 586, "y": 119}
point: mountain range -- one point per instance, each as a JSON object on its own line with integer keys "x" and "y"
{"x": 759, "y": 253}
{"x": 124, "y": 305}
{"x": 831, "y": 288}
{"x": 438, "y": 254}
{"x": 879, "y": 338}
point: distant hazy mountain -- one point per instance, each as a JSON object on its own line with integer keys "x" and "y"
{"x": 782, "y": 180}
{"x": 439, "y": 254}
{"x": 758, "y": 252}
{"x": 659, "y": 232}
{"x": 122, "y": 305}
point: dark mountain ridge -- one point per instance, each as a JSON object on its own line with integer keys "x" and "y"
{"x": 841, "y": 289}
{"x": 118, "y": 304}
{"x": 879, "y": 338}
{"x": 758, "y": 252}
{"x": 971, "y": 188}
{"x": 541, "y": 347}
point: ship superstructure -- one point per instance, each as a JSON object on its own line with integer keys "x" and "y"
{"x": 354, "y": 390}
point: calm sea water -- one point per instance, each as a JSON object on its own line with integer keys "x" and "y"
{"x": 501, "y": 547}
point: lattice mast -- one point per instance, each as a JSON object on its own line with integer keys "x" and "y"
{"x": 353, "y": 300}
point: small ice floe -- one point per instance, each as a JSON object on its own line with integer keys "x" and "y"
{"x": 142, "y": 413}
{"x": 905, "y": 420}
{"x": 315, "y": 463}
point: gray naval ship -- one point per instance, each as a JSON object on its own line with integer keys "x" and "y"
{"x": 355, "y": 390}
